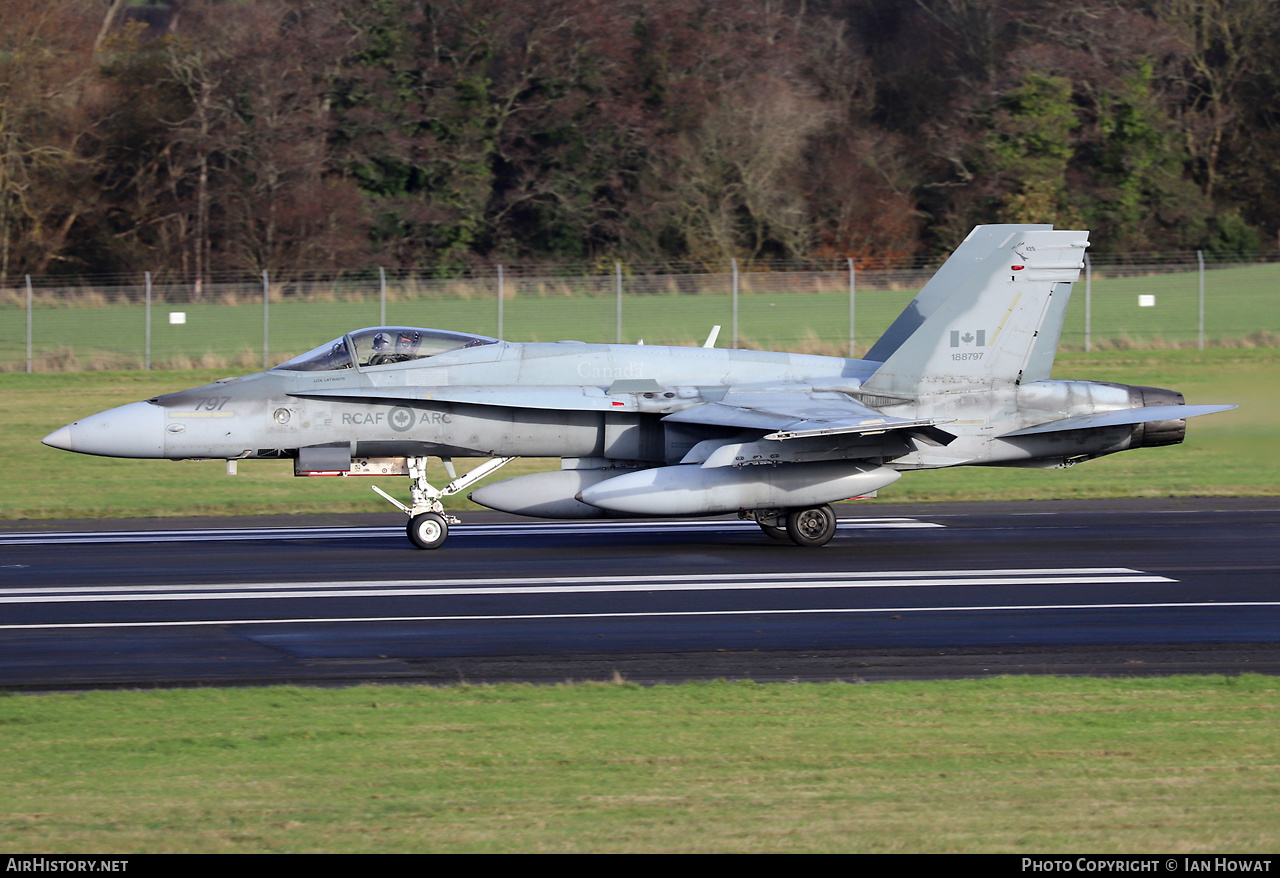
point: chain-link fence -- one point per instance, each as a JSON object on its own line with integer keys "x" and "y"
{"x": 1152, "y": 300}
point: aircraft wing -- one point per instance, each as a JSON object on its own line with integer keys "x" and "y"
{"x": 787, "y": 414}
{"x": 794, "y": 415}
{"x": 1120, "y": 417}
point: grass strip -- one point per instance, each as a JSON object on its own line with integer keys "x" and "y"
{"x": 1015, "y": 764}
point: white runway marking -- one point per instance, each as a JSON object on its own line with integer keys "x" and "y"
{"x": 579, "y": 585}
{"x": 364, "y": 533}
{"x": 1079, "y": 576}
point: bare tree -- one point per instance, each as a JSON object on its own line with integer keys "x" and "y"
{"x": 45, "y": 64}
{"x": 1225, "y": 41}
{"x": 266, "y": 191}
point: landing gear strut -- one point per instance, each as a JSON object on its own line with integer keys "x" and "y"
{"x": 428, "y": 523}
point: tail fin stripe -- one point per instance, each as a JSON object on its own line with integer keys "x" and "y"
{"x": 1013, "y": 305}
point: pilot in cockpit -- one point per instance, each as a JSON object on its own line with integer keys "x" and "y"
{"x": 382, "y": 352}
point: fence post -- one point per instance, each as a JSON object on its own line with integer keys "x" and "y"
{"x": 852, "y": 352}
{"x": 1200, "y": 260}
{"x": 617, "y": 273}
{"x": 28, "y": 323}
{"x": 146, "y": 352}
{"x": 1088, "y": 300}
{"x": 382, "y": 296}
{"x": 501, "y": 296}
{"x": 266, "y": 297}
{"x": 735, "y": 303}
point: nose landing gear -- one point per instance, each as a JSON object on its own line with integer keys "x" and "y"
{"x": 428, "y": 525}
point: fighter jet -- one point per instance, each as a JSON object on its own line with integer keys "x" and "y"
{"x": 961, "y": 378}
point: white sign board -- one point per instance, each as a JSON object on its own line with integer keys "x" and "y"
{"x": 1146, "y": 301}
{"x": 176, "y": 317}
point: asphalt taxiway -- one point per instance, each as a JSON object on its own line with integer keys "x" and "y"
{"x": 933, "y": 590}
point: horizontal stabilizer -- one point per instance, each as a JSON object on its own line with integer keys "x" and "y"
{"x": 1120, "y": 417}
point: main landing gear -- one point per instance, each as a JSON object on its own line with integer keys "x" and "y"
{"x": 428, "y": 523}
{"x": 810, "y": 527}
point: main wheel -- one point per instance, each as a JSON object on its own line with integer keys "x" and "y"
{"x": 773, "y": 531}
{"x": 812, "y": 527}
{"x": 428, "y": 530}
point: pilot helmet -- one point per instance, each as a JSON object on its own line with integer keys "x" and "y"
{"x": 380, "y": 341}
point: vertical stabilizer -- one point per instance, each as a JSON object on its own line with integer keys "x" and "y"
{"x": 987, "y": 330}
{"x": 966, "y": 259}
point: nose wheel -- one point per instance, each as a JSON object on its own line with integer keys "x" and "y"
{"x": 428, "y": 525}
{"x": 428, "y": 530}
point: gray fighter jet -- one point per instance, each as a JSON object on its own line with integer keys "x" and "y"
{"x": 960, "y": 378}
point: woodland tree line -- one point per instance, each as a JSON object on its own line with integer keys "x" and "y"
{"x": 208, "y": 136}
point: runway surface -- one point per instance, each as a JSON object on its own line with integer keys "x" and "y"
{"x": 1126, "y": 587}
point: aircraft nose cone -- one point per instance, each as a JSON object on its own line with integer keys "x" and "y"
{"x": 134, "y": 430}
{"x": 60, "y": 438}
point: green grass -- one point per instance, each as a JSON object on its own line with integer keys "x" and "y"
{"x": 1225, "y": 454}
{"x": 1032, "y": 765}
{"x": 1241, "y": 304}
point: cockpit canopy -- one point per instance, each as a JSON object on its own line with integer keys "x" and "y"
{"x": 381, "y": 345}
